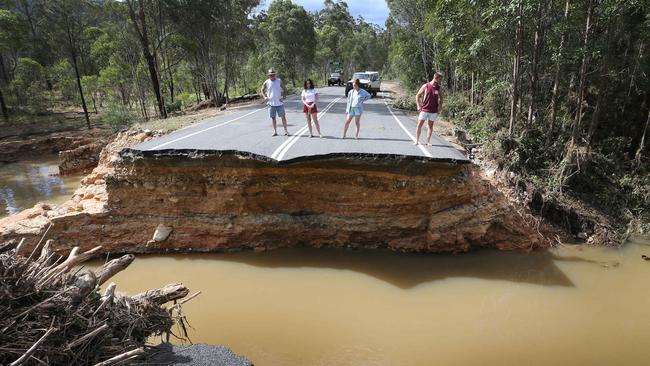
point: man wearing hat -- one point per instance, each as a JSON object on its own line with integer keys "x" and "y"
{"x": 273, "y": 92}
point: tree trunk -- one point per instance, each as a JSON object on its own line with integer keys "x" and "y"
{"x": 537, "y": 54}
{"x": 151, "y": 62}
{"x": 471, "y": 96}
{"x": 81, "y": 92}
{"x": 577, "y": 124}
{"x": 595, "y": 118}
{"x": 556, "y": 78}
{"x": 516, "y": 70}
{"x": 5, "y": 112}
{"x": 639, "y": 152}
{"x": 424, "y": 59}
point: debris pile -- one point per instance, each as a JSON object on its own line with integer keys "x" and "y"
{"x": 52, "y": 313}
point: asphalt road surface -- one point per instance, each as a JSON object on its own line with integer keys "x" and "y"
{"x": 384, "y": 131}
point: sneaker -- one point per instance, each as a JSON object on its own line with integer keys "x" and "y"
{"x": 274, "y": 134}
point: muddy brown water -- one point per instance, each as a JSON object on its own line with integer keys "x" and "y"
{"x": 28, "y": 182}
{"x": 570, "y": 306}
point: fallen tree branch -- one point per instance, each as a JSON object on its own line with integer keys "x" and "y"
{"x": 123, "y": 357}
{"x": 88, "y": 336}
{"x": 164, "y": 294}
{"x": 109, "y": 269}
{"x": 33, "y": 348}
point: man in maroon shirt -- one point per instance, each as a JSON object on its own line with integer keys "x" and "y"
{"x": 430, "y": 107}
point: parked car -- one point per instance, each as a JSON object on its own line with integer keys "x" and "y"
{"x": 335, "y": 79}
{"x": 369, "y": 81}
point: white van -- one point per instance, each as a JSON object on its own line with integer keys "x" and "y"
{"x": 369, "y": 80}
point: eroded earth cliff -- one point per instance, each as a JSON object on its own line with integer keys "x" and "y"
{"x": 213, "y": 201}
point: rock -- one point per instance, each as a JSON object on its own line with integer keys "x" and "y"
{"x": 82, "y": 158}
{"x": 582, "y": 235}
{"x": 173, "y": 199}
{"x": 162, "y": 233}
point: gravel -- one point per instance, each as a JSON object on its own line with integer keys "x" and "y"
{"x": 196, "y": 355}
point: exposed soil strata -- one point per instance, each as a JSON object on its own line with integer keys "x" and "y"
{"x": 216, "y": 202}
{"x": 15, "y": 148}
{"x": 82, "y": 158}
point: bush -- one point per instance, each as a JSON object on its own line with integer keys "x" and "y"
{"x": 174, "y": 106}
{"x": 186, "y": 99}
{"x": 497, "y": 99}
{"x": 118, "y": 117}
{"x": 454, "y": 105}
{"x": 406, "y": 102}
{"x": 28, "y": 86}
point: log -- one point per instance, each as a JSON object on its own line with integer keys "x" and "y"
{"x": 46, "y": 252}
{"x": 107, "y": 298}
{"x": 189, "y": 298}
{"x": 164, "y": 294}
{"x": 33, "y": 348}
{"x": 109, "y": 269}
{"x": 74, "y": 258}
{"x": 122, "y": 357}
{"x": 19, "y": 246}
{"x": 39, "y": 243}
{"x": 87, "y": 336}
{"x": 85, "y": 284}
{"x": 8, "y": 245}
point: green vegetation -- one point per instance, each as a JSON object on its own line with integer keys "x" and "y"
{"x": 138, "y": 60}
{"x": 558, "y": 91}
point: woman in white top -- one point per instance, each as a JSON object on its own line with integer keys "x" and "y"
{"x": 309, "y": 98}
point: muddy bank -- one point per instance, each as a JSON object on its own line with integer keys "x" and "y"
{"x": 15, "y": 148}
{"x": 215, "y": 202}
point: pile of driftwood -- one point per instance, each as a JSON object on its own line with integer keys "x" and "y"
{"x": 52, "y": 313}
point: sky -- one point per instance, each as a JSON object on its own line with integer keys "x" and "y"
{"x": 375, "y": 11}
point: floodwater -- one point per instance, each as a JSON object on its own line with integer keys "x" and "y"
{"x": 28, "y": 182}
{"x": 571, "y": 306}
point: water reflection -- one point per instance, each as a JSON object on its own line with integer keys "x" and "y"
{"x": 408, "y": 270}
{"x": 25, "y": 183}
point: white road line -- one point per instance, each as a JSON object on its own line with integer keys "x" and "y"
{"x": 279, "y": 153}
{"x": 422, "y": 148}
{"x": 287, "y": 141}
{"x": 209, "y": 128}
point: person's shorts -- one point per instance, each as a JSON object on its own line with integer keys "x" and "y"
{"x": 314, "y": 109}
{"x": 428, "y": 116}
{"x": 354, "y": 111}
{"x": 276, "y": 110}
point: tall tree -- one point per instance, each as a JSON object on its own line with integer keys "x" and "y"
{"x": 139, "y": 22}
{"x": 293, "y": 39}
{"x": 516, "y": 68}
{"x": 68, "y": 19}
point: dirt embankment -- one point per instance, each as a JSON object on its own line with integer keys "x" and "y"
{"x": 201, "y": 202}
